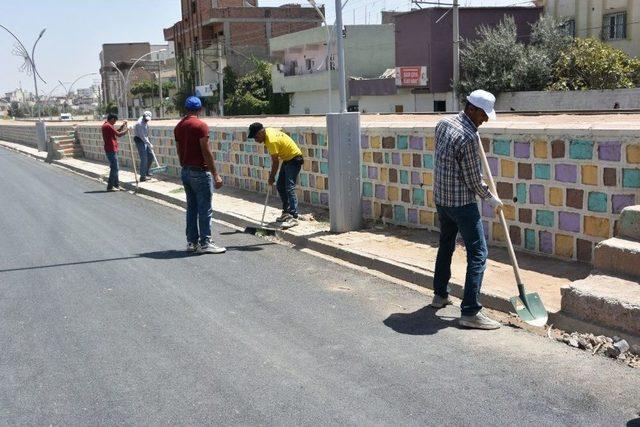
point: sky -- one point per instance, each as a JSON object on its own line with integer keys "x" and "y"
{"x": 76, "y": 30}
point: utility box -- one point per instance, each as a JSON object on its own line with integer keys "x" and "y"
{"x": 345, "y": 207}
{"x": 41, "y": 135}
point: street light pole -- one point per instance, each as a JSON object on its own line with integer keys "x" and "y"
{"x": 29, "y": 64}
{"x": 126, "y": 79}
{"x": 341, "y": 66}
{"x": 456, "y": 53}
{"x": 123, "y": 94}
{"x": 33, "y": 64}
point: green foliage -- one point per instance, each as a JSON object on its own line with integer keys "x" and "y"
{"x": 187, "y": 83}
{"x": 252, "y": 94}
{"x": 499, "y": 62}
{"x": 110, "y": 107}
{"x": 16, "y": 111}
{"x": 592, "y": 64}
{"x": 148, "y": 88}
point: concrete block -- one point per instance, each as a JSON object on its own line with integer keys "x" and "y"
{"x": 617, "y": 255}
{"x": 608, "y": 301}
{"x": 629, "y": 224}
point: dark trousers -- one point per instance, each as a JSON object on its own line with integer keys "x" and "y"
{"x": 465, "y": 219}
{"x": 113, "y": 171}
{"x": 286, "y": 184}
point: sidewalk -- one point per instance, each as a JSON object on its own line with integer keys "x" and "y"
{"x": 403, "y": 253}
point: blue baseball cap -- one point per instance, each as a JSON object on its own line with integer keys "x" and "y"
{"x": 193, "y": 103}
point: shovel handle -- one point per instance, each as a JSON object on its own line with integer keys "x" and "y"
{"x": 133, "y": 160}
{"x": 155, "y": 159}
{"x": 492, "y": 187}
{"x": 266, "y": 201}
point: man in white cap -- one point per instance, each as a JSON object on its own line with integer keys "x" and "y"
{"x": 457, "y": 182}
{"x": 141, "y": 132}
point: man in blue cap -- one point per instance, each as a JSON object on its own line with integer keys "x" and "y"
{"x": 199, "y": 176}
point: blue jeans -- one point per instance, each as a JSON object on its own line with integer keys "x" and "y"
{"x": 146, "y": 157}
{"x": 198, "y": 186}
{"x": 286, "y": 185}
{"x": 465, "y": 219}
{"x": 113, "y": 172}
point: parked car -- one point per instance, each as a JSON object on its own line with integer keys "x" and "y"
{"x": 66, "y": 116}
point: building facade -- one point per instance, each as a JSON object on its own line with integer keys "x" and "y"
{"x": 423, "y": 75}
{"x": 215, "y": 33}
{"x": 301, "y": 68}
{"x": 616, "y": 22}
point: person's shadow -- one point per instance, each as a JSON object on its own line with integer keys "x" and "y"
{"x": 634, "y": 422}
{"x": 421, "y": 322}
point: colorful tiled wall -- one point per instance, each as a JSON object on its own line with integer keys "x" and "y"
{"x": 569, "y": 190}
{"x": 242, "y": 164}
{"x": 569, "y": 186}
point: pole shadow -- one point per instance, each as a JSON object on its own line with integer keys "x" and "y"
{"x": 97, "y": 192}
{"x": 421, "y": 322}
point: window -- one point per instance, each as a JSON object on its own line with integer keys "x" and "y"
{"x": 614, "y": 26}
{"x": 399, "y": 108}
{"x": 439, "y": 105}
{"x": 309, "y": 64}
{"x": 569, "y": 27}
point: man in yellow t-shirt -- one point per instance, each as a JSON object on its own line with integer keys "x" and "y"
{"x": 281, "y": 148}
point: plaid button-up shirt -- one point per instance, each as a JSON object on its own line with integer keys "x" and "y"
{"x": 458, "y": 172}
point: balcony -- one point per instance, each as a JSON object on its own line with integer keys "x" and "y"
{"x": 288, "y": 80}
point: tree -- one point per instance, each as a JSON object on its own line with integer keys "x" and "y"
{"x": 592, "y": 64}
{"x": 16, "y": 111}
{"x": 499, "y": 62}
{"x": 148, "y": 88}
{"x": 253, "y": 94}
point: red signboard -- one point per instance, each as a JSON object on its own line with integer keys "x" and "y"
{"x": 411, "y": 76}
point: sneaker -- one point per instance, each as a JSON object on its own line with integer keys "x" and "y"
{"x": 113, "y": 188}
{"x": 211, "y": 248}
{"x": 143, "y": 179}
{"x": 284, "y": 217}
{"x": 192, "y": 247}
{"x": 440, "y": 302}
{"x": 479, "y": 321}
{"x": 291, "y": 222}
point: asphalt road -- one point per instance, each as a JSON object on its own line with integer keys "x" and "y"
{"x": 104, "y": 319}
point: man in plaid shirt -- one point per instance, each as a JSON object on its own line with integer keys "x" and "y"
{"x": 457, "y": 182}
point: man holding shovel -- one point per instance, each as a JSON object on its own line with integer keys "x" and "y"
{"x": 457, "y": 182}
{"x": 110, "y": 137}
{"x": 199, "y": 176}
{"x": 281, "y": 148}
{"x": 145, "y": 149}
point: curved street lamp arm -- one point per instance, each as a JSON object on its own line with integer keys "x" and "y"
{"x": 33, "y": 63}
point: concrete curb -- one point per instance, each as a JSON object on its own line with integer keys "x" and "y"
{"x": 416, "y": 276}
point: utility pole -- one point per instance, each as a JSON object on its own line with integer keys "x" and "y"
{"x": 160, "y": 87}
{"x": 342, "y": 79}
{"x": 221, "y": 81}
{"x": 456, "y": 53}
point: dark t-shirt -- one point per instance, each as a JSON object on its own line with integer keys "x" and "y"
{"x": 188, "y": 133}
{"x": 110, "y": 138}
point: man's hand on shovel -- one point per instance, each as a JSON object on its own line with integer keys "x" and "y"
{"x": 495, "y": 202}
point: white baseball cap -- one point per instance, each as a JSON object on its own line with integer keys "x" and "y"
{"x": 147, "y": 114}
{"x": 485, "y": 100}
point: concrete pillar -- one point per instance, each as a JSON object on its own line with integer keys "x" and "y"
{"x": 41, "y": 135}
{"x": 343, "y": 131}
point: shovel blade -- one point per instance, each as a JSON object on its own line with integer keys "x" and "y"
{"x": 258, "y": 231}
{"x": 530, "y": 309}
{"x": 158, "y": 169}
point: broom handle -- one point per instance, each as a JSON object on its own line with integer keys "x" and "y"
{"x": 154, "y": 158}
{"x": 492, "y": 187}
{"x": 133, "y": 160}
{"x": 266, "y": 200}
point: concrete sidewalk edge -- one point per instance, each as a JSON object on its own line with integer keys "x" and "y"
{"x": 419, "y": 277}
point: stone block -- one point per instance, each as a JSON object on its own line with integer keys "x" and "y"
{"x": 618, "y": 256}
{"x": 608, "y": 301}
{"x": 629, "y": 224}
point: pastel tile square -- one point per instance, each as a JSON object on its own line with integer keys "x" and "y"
{"x": 418, "y": 197}
{"x": 364, "y": 141}
{"x": 404, "y": 177}
{"x": 395, "y": 158}
{"x": 566, "y": 172}
{"x": 493, "y": 165}
{"x": 569, "y": 221}
{"x": 508, "y": 168}
{"x": 502, "y": 147}
{"x": 416, "y": 143}
{"x": 427, "y": 161}
{"x": 536, "y": 194}
{"x": 544, "y": 218}
{"x": 416, "y": 178}
{"x": 380, "y": 191}
{"x": 589, "y": 174}
{"x": 621, "y": 201}
{"x": 521, "y": 193}
{"x": 609, "y": 150}
{"x": 540, "y": 149}
{"x": 542, "y": 171}
{"x": 402, "y": 142}
{"x": 522, "y": 150}
{"x": 545, "y": 242}
{"x": 399, "y": 213}
{"x": 631, "y": 178}
{"x": 597, "y": 202}
{"x": 633, "y": 153}
{"x": 580, "y": 150}
{"x": 375, "y": 142}
{"x": 412, "y": 216}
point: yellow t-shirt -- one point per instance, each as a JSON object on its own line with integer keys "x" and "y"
{"x": 279, "y": 144}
